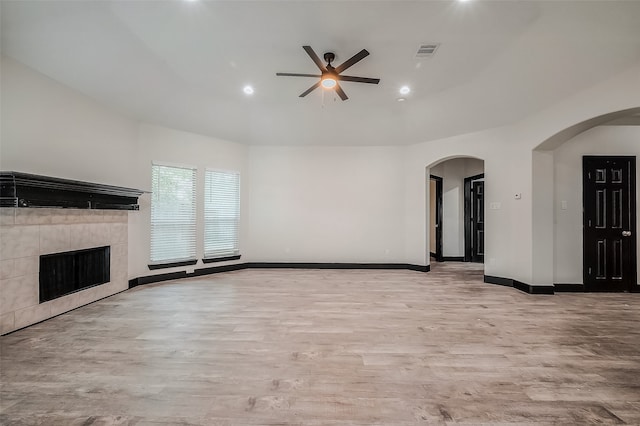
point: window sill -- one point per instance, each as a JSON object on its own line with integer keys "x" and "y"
{"x": 172, "y": 264}
{"x": 220, "y": 259}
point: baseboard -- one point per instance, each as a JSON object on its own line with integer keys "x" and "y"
{"x": 419, "y": 268}
{"x": 508, "y": 282}
{"x": 320, "y": 265}
{"x": 272, "y": 265}
{"x": 156, "y": 278}
{"x": 519, "y": 285}
{"x": 569, "y": 288}
{"x": 218, "y": 269}
{"x": 533, "y": 289}
{"x": 452, "y": 259}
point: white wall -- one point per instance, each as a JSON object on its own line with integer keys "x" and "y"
{"x": 50, "y": 129}
{"x": 326, "y": 204}
{"x": 603, "y": 140}
{"x": 453, "y": 172}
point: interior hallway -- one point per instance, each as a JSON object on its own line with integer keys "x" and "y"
{"x": 319, "y": 347}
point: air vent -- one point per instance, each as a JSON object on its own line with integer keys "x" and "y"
{"x": 427, "y": 50}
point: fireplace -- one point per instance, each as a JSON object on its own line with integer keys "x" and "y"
{"x": 71, "y": 271}
{"x": 51, "y": 227}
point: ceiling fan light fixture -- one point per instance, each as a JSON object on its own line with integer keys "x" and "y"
{"x": 329, "y": 82}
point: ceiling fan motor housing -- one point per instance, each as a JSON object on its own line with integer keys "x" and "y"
{"x": 329, "y": 57}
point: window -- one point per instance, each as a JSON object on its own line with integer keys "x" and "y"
{"x": 173, "y": 214}
{"x": 221, "y": 213}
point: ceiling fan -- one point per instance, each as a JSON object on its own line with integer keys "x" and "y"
{"x": 331, "y": 75}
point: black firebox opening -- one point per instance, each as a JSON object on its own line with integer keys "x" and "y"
{"x": 71, "y": 271}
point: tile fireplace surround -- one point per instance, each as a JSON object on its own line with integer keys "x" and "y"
{"x": 25, "y": 234}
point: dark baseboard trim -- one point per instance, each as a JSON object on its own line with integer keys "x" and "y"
{"x": 533, "y": 289}
{"x": 498, "y": 280}
{"x": 157, "y": 278}
{"x": 272, "y": 265}
{"x": 452, "y": 259}
{"x": 221, "y": 259}
{"x": 317, "y": 265}
{"x": 419, "y": 268}
{"x": 527, "y": 288}
{"x": 172, "y": 264}
{"x": 218, "y": 269}
{"x": 569, "y": 288}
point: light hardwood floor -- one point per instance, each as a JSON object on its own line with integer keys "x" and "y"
{"x": 326, "y": 347}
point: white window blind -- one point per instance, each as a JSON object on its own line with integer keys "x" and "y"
{"x": 173, "y": 214}
{"x": 221, "y": 213}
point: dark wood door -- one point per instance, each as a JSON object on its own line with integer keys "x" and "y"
{"x": 474, "y": 219}
{"x": 437, "y": 208}
{"x": 609, "y": 205}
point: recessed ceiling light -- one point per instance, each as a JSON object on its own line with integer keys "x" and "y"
{"x": 247, "y": 89}
{"x": 401, "y": 99}
{"x": 404, "y": 90}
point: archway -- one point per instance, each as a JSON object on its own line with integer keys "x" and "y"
{"x": 454, "y": 225}
{"x": 557, "y": 192}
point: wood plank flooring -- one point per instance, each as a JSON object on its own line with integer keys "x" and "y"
{"x": 325, "y": 347}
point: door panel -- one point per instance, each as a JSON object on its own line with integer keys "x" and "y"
{"x": 474, "y": 219}
{"x": 436, "y": 216}
{"x": 609, "y": 223}
{"x": 477, "y": 221}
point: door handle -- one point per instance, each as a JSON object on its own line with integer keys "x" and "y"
{"x": 626, "y": 233}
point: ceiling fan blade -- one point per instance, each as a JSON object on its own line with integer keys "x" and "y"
{"x": 288, "y": 74}
{"x": 352, "y": 60}
{"x": 359, "y": 79}
{"x": 309, "y": 90}
{"x": 314, "y": 57}
{"x": 341, "y": 93}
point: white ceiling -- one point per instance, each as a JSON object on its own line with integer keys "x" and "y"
{"x": 183, "y": 64}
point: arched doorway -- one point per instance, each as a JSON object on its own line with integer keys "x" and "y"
{"x": 564, "y": 251}
{"x": 455, "y": 222}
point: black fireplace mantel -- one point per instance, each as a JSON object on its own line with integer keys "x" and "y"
{"x": 28, "y": 190}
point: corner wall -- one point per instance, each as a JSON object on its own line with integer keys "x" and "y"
{"x": 52, "y": 130}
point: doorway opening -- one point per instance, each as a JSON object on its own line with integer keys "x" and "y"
{"x": 449, "y": 209}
